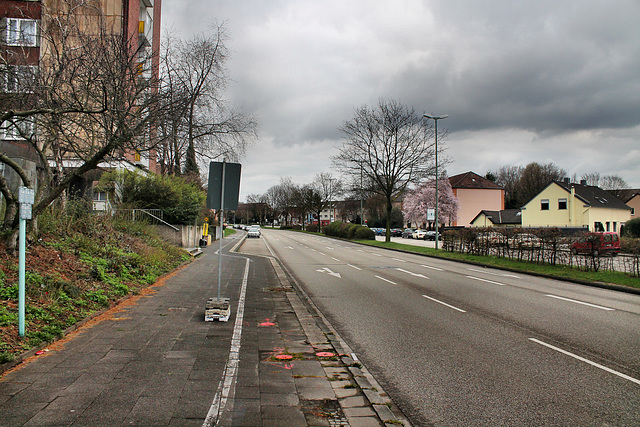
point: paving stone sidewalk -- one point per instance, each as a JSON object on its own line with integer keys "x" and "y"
{"x": 156, "y": 362}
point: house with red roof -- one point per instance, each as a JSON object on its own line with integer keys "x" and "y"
{"x": 475, "y": 194}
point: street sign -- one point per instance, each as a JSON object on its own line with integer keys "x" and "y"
{"x": 25, "y": 211}
{"x": 26, "y": 195}
{"x": 231, "y": 185}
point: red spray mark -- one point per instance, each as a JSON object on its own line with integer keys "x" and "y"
{"x": 325, "y": 354}
{"x": 267, "y": 323}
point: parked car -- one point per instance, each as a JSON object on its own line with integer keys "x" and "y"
{"x": 525, "y": 240}
{"x": 601, "y": 243}
{"x": 408, "y": 233}
{"x": 419, "y": 234}
{"x": 253, "y": 231}
{"x": 431, "y": 235}
{"x": 396, "y": 232}
{"x": 492, "y": 238}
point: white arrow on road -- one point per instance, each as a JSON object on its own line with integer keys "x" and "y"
{"x": 413, "y": 274}
{"x": 331, "y": 273}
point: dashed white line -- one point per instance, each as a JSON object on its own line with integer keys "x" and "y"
{"x": 485, "y": 280}
{"x": 374, "y": 254}
{"x": 353, "y": 266}
{"x": 335, "y": 259}
{"x": 582, "y": 359}
{"x": 386, "y": 280}
{"x": 433, "y": 268}
{"x": 493, "y": 274}
{"x": 398, "y": 259}
{"x": 580, "y": 302}
{"x": 445, "y": 304}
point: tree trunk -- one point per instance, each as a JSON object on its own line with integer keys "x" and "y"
{"x": 387, "y": 237}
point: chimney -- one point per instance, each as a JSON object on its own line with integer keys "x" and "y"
{"x": 583, "y": 182}
{"x": 567, "y": 180}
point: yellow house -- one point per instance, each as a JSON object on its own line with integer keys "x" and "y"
{"x": 569, "y": 205}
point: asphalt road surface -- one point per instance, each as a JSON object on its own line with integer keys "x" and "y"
{"x": 456, "y": 344}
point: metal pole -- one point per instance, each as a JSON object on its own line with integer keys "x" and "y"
{"x": 361, "y": 196}
{"x": 221, "y": 222}
{"x": 21, "y": 281}
{"x": 436, "y": 120}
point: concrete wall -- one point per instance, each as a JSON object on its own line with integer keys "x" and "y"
{"x": 188, "y": 236}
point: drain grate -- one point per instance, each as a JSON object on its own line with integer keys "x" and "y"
{"x": 327, "y": 409}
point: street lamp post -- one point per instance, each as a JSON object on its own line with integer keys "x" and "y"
{"x": 435, "y": 119}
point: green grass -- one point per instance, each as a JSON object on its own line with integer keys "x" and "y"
{"x": 556, "y": 271}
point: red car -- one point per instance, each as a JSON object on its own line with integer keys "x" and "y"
{"x": 597, "y": 244}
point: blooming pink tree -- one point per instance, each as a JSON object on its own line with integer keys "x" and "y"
{"x": 419, "y": 201}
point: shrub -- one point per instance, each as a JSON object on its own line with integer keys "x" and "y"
{"x": 349, "y": 231}
{"x": 632, "y": 228}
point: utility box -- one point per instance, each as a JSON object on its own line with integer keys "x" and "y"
{"x": 217, "y": 309}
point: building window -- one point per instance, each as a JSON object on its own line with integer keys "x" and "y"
{"x": 544, "y": 204}
{"x": 14, "y": 130}
{"x": 562, "y": 204}
{"x": 633, "y": 211}
{"x": 18, "y": 78}
{"x": 597, "y": 226}
{"x": 20, "y": 32}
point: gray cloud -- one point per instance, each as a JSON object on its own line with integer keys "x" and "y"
{"x": 522, "y": 81}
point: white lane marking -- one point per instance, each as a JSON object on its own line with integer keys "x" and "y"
{"x": 331, "y": 249}
{"x": 288, "y": 247}
{"x": 374, "y": 254}
{"x": 445, "y": 304}
{"x": 433, "y": 268}
{"x": 398, "y": 259}
{"x": 580, "y": 302}
{"x": 413, "y": 274}
{"x": 353, "y": 266}
{"x": 493, "y": 274}
{"x": 313, "y": 250}
{"x": 331, "y": 273}
{"x": 485, "y": 280}
{"x": 335, "y": 259}
{"x": 231, "y": 369}
{"x": 321, "y": 253}
{"x": 582, "y": 359}
{"x": 386, "y": 280}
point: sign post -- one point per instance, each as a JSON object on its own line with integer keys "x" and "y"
{"x": 222, "y": 194}
{"x": 26, "y": 198}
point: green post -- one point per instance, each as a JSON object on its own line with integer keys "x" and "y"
{"x": 21, "y": 285}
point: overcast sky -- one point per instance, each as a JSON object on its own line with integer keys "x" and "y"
{"x": 522, "y": 81}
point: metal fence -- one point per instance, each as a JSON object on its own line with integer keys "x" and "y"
{"x": 540, "y": 246}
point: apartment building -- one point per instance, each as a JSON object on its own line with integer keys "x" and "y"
{"x": 24, "y": 50}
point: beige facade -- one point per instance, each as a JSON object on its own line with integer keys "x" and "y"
{"x": 475, "y": 194}
{"x": 634, "y": 204}
{"x": 575, "y": 206}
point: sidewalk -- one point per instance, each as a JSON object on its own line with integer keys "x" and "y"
{"x": 154, "y": 361}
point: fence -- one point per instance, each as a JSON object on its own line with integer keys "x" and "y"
{"x": 548, "y": 246}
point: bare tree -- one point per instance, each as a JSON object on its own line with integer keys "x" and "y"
{"x": 327, "y": 190}
{"x": 508, "y": 178}
{"x": 87, "y": 101}
{"x": 535, "y": 177}
{"x": 391, "y": 145}
{"x": 199, "y": 125}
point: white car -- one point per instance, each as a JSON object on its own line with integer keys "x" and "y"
{"x": 253, "y": 231}
{"x": 419, "y": 234}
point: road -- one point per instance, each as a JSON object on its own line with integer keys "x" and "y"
{"x": 455, "y": 344}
